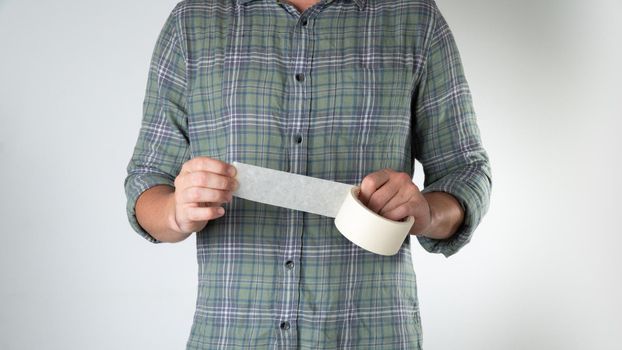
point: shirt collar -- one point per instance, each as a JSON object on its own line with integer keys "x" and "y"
{"x": 359, "y": 3}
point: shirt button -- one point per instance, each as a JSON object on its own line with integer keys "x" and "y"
{"x": 298, "y": 138}
{"x": 300, "y": 77}
{"x": 303, "y": 22}
{"x": 284, "y": 325}
{"x": 289, "y": 264}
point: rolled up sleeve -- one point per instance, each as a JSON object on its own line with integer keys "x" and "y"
{"x": 447, "y": 138}
{"x": 162, "y": 145}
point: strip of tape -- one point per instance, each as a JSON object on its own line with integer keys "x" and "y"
{"x": 353, "y": 219}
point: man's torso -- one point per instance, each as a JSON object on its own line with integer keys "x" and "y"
{"x": 326, "y": 95}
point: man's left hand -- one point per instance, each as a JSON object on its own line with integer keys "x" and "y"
{"x": 393, "y": 195}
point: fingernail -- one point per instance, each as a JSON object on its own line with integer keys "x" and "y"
{"x": 221, "y": 211}
{"x": 232, "y": 171}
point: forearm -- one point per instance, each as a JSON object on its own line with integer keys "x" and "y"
{"x": 446, "y": 215}
{"x": 155, "y": 210}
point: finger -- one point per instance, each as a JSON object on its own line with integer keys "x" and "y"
{"x": 383, "y": 195}
{"x": 402, "y": 196}
{"x": 418, "y": 208}
{"x": 399, "y": 213}
{"x": 371, "y": 182}
{"x": 202, "y": 194}
{"x": 207, "y": 180}
{"x": 208, "y": 164}
{"x": 406, "y": 193}
{"x": 203, "y": 213}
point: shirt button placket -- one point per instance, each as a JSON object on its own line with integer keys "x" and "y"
{"x": 299, "y": 120}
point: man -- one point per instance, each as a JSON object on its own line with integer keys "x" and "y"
{"x": 346, "y": 90}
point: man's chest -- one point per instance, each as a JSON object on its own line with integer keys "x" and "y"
{"x": 267, "y": 85}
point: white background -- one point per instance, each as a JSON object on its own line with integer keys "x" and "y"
{"x": 541, "y": 272}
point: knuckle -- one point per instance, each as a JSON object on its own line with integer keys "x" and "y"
{"x": 213, "y": 165}
{"x": 195, "y": 195}
{"x": 224, "y": 183}
{"x": 193, "y": 179}
{"x": 214, "y": 196}
{"x": 177, "y": 181}
{"x": 201, "y": 179}
{"x": 206, "y": 163}
{"x": 403, "y": 211}
{"x": 369, "y": 181}
{"x": 184, "y": 179}
{"x": 403, "y": 177}
{"x": 184, "y": 166}
{"x": 199, "y": 162}
{"x": 191, "y": 163}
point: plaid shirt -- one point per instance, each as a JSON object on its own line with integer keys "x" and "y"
{"x": 346, "y": 89}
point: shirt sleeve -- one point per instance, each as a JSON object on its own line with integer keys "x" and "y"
{"x": 162, "y": 145}
{"x": 447, "y": 139}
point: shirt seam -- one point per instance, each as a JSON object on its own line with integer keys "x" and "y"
{"x": 177, "y": 37}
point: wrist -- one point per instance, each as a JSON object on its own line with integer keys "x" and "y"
{"x": 171, "y": 213}
{"x": 446, "y": 215}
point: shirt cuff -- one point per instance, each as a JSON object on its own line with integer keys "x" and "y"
{"x": 135, "y": 185}
{"x": 473, "y": 198}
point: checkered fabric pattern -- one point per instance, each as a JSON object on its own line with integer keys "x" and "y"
{"x": 342, "y": 90}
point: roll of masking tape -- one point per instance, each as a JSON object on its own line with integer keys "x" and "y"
{"x": 353, "y": 219}
{"x": 369, "y": 230}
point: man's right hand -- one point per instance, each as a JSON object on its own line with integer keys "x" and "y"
{"x": 202, "y": 186}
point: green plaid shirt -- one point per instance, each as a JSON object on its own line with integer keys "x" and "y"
{"x": 346, "y": 89}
